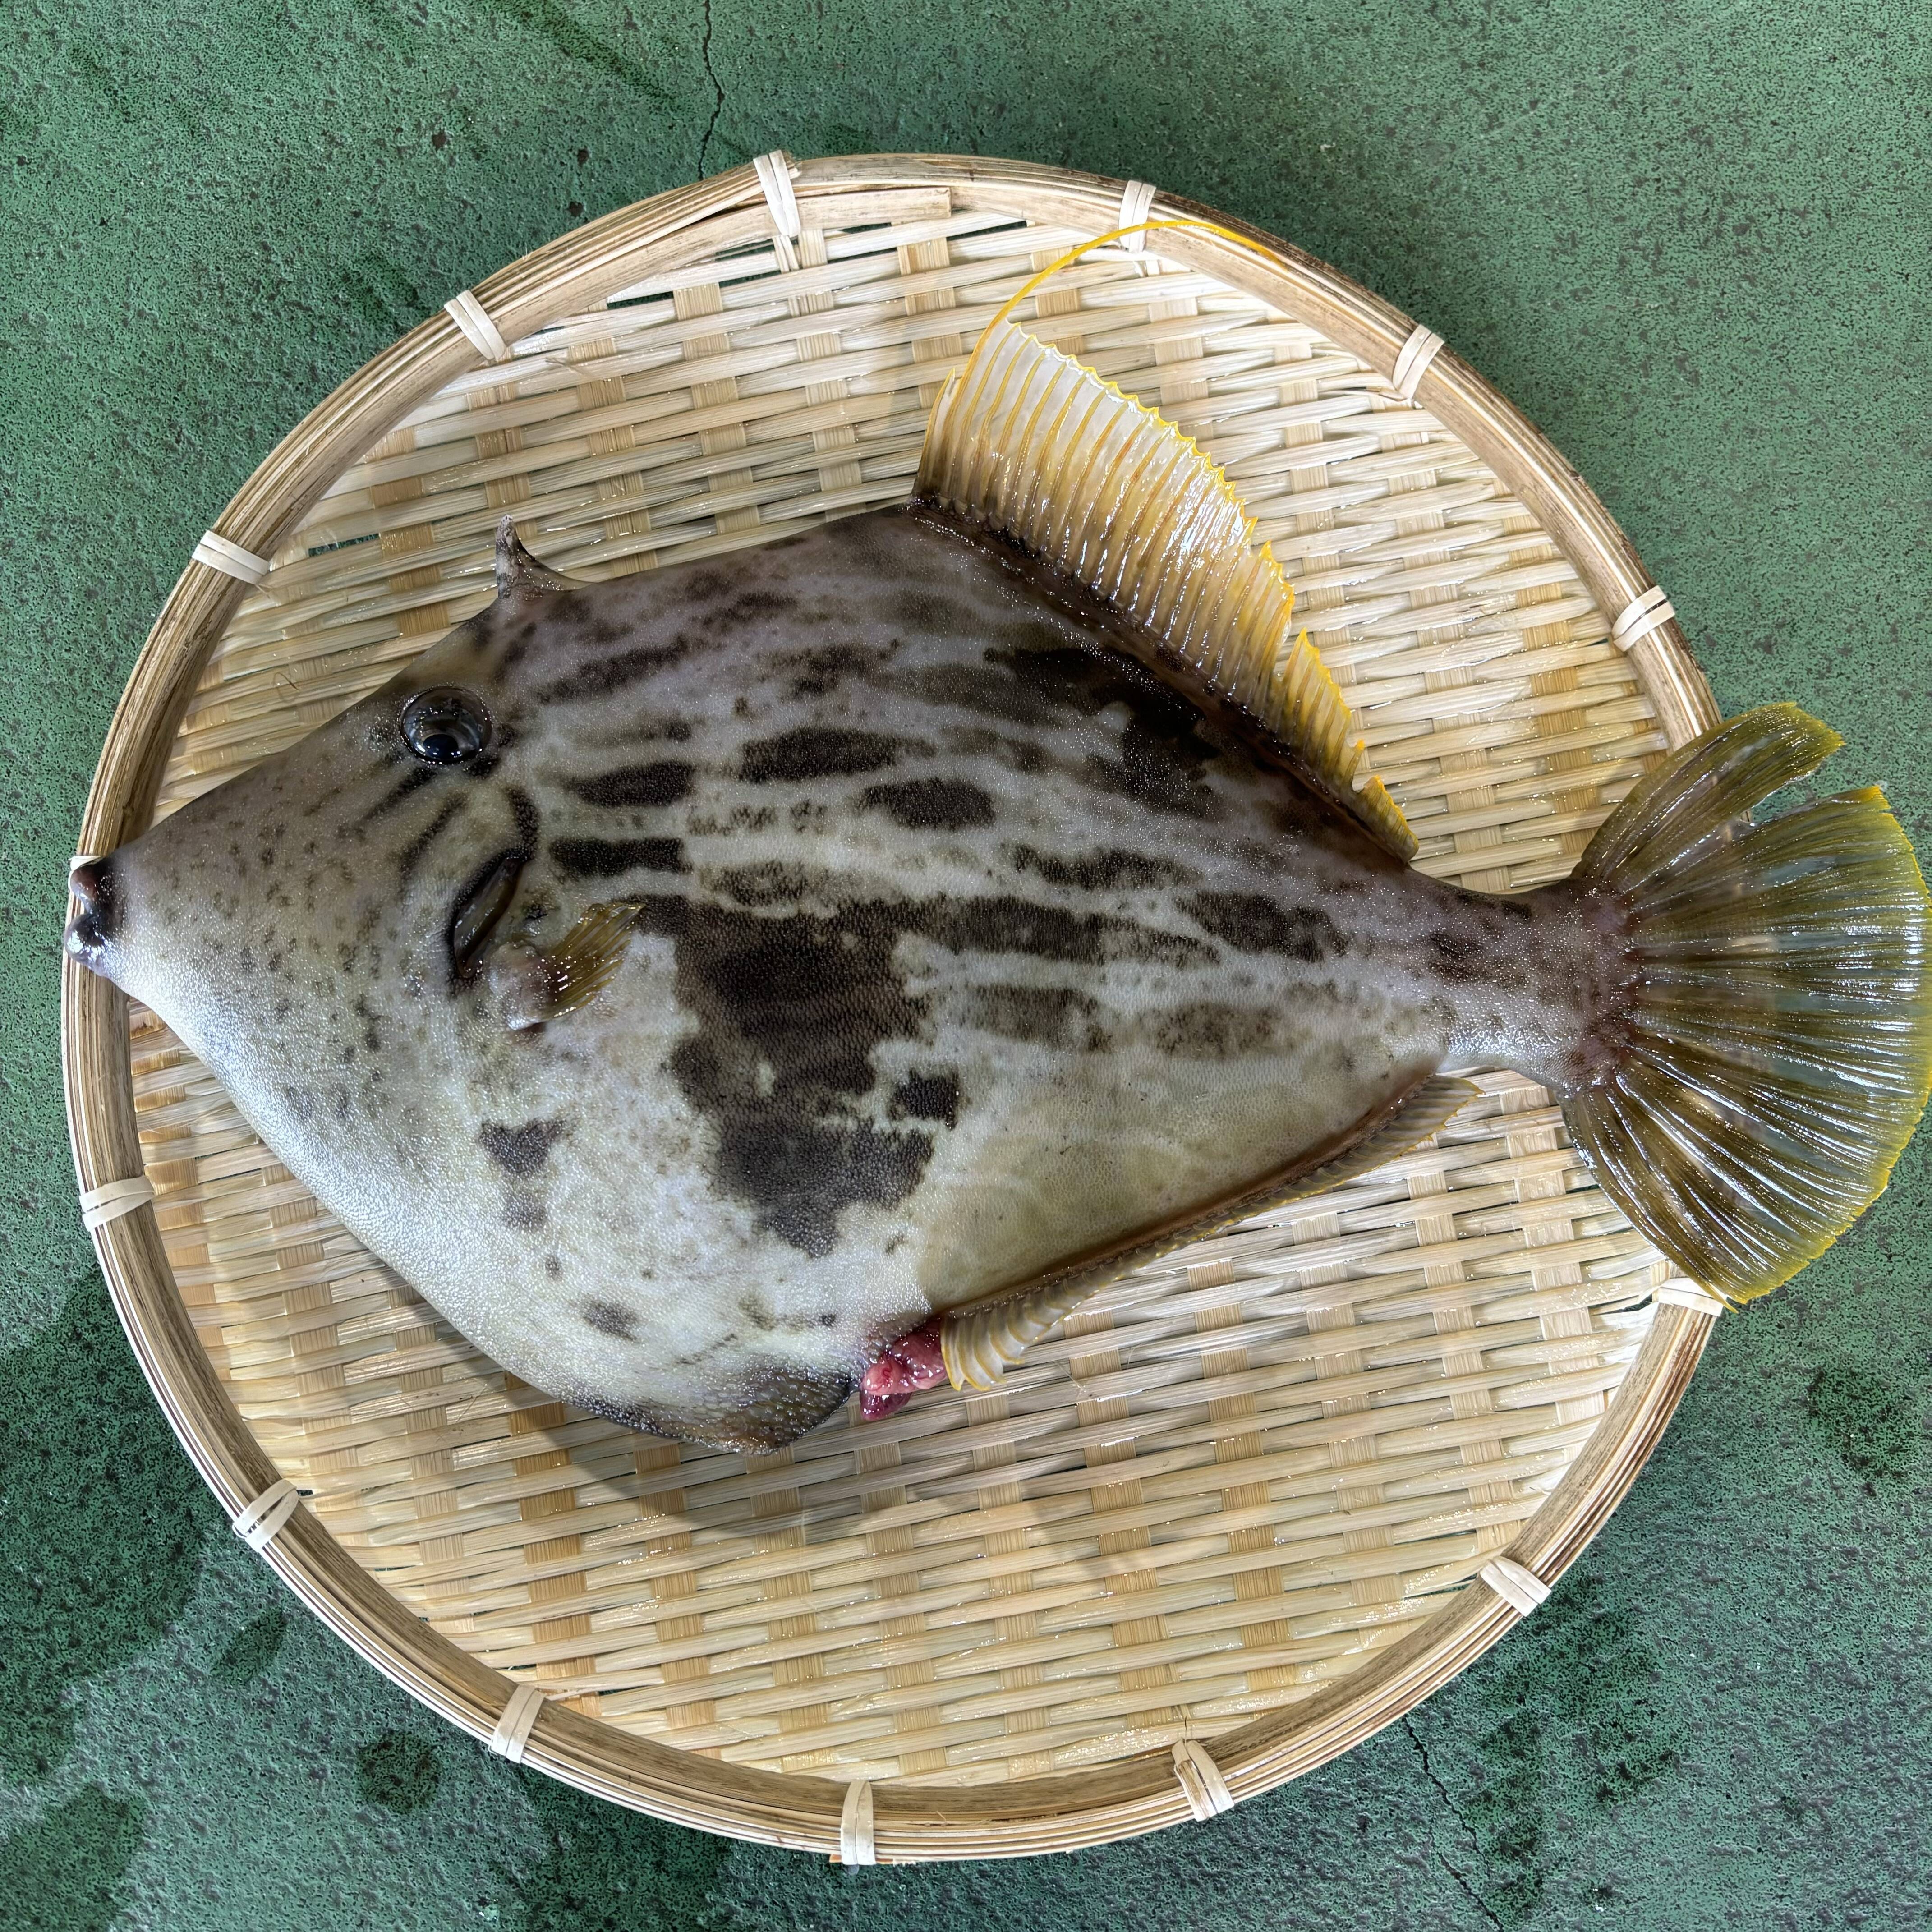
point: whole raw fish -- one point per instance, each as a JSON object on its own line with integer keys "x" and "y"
{"x": 696, "y": 983}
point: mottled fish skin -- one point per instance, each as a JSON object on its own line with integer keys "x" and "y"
{"x": 966, "y": 946}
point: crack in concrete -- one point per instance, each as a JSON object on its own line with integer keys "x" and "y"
{"x": 1475, "y": 1897}
{"x": 717, "y": 89}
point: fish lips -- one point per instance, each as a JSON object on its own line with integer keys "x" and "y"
{"x": 91, "y": 930}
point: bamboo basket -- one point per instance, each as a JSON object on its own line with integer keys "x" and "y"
{"x": 1248, "y": 1505}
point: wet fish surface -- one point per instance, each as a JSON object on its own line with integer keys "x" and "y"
{"x": 695, "y": 982}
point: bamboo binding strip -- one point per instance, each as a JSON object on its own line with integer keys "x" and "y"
{"x": 1239, "y": 1510}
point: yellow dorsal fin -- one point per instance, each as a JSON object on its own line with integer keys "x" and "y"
{"x": 1030, "y": 443}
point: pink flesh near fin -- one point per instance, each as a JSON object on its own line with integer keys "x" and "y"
{"x": 904, "y": 1367}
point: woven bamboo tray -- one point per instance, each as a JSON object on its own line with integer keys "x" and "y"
{"x": 1247, "y": 1507}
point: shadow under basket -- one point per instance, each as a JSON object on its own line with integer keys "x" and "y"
{"x": 1249, "y": 1504}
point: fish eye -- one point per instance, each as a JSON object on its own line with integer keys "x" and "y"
{"x": 447, "y": 726}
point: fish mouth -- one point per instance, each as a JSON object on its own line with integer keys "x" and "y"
{"x": 90, "y": 930}
{"x": 479, "y": 910}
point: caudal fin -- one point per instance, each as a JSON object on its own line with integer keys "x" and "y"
{"x": 1779, "y": 1050}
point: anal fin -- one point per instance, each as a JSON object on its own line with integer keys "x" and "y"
{"x": 978, "y": 1343}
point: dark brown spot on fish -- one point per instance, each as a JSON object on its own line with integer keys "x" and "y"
{"x": 989, "y": 693}
{"x": 610, "y": 858}
{"x": 804, "y": 1175}
{"x": 771, "y": 882}
{"x": 1074, "y": 677}
{"x": 525, "y": 1212}
{"x": 1100, "y": 871}
{"x": 553, "y": 1267}
{"x": 819, "y": 672}
{"x": 609, "y": 1317}
{"x": 523, "y": 812}
{"x": 1162, "y": 754}
{"x": 521, "y": 1151}
{"x": 411, "y": 782}
{"x": 749, "y": 605}
{"x": 789, "y": 1011}
{"x": 665, "y": 914}
{"x": 1457, "y": 956}
{"x": 1159, "y": 769}
{"x": 1002, "y": 924}
{"x": 663, "y": 783}
{"x": 1020, "y": 755}
{"x": 602, "y": 677}
{"x": 924, "y": 608}
{"x": 1055, "y": 1016}
{"x": 411, "y": 855}
{"x": 1253, "y": 922}
{"x": 1209, "y": 1031}
{"x": 930, "y": 805}
{"x": 815, "y": 751}
{"x": 926, "y": 1096}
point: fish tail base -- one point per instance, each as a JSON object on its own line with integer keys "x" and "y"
{"x": 1775, "y": 1049}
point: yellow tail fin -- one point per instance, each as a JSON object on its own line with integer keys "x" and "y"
{"x": 1780, "y": 1038}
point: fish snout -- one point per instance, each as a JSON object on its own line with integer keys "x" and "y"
{"x": 88, "y": 932}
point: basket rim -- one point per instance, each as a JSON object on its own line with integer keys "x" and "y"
{"x": 798, "y": 1810}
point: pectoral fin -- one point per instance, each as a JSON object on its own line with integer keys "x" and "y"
{"x": 536, "y": 986}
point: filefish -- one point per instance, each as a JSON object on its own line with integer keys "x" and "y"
{"x": 723, "y": 987}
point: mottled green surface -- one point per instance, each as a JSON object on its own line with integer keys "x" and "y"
{"x": 1689, "y": 238}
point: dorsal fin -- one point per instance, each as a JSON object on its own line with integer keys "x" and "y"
{"x": 1038, "y": 447}
{"x": 520, "y": 574}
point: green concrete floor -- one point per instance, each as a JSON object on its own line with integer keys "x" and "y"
{"x": 1688, "y": 237}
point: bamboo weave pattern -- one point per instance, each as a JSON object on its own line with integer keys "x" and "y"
{"x": 1232, "y": 1476}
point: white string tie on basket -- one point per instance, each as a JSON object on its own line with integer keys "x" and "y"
{"x": 1412, "y": 363}
{"x": 513, "y": 1728}
{"x": 1136, "y": 205}
{"x": 1641, "y": 616}
{"x": 258, "y": 1523}
{"x": 1688, "y": 1295}
{"x": 1519, "y": 1587}
{"x": 113, "y": 1198}
{"x": 775, "y": 178}
{"x": 473, "y": 319}
{"x": 216, "y": 551}
{"x": 856, "y": 1846}
{"x": 1202, "y": 1783}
